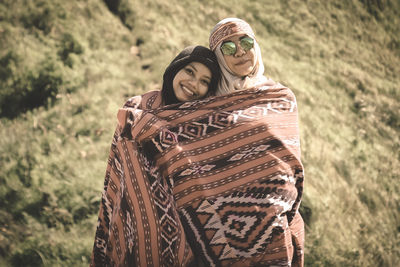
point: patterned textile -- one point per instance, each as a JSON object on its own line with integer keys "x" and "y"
{"x": 214, "y": 182}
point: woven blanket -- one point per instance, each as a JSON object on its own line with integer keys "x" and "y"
{"x": 213, "y": 182}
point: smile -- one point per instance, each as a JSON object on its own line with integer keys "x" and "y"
{"x": 187, "y": 91}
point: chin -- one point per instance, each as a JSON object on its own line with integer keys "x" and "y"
{"x": 182, "y": 99}
{"x": 243, "y": 73}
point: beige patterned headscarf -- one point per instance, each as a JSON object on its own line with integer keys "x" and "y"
{"x": 229, "y": 82}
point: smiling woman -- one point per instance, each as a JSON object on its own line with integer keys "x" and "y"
{"x": 192, "y": 74}
{"x": 138, "y": 224}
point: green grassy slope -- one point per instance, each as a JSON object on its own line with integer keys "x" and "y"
{"x": 341, "y": 58}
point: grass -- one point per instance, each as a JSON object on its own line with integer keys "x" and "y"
{"x": 341, "y": 58}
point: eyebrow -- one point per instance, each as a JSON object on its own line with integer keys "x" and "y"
{"x": 190, "y": 64}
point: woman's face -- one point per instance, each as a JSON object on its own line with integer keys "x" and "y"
{"x": 242, "y": 62}
{"x": 191, "y": 82}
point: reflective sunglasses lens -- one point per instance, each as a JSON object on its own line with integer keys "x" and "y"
{"x": 228, "y": 48}
{"x": 247, "y": 43}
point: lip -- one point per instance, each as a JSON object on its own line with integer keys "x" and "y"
{"x": 187, "y": 91}
{"x": 241, "y": 62}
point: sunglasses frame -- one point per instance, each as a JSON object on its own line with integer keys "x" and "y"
{"x": 240, "y": 43}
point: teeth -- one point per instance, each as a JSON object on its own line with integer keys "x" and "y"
{"x": 187, "y": 90}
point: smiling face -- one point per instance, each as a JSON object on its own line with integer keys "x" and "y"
{"x": 191, "y": 82}
{"x": 242, "y": 62}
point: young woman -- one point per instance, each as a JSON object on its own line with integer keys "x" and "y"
{"x": 138, "y": 224}
{"x": 193, "y": 74}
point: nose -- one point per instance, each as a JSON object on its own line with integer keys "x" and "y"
{"x": 193, "y": 82}
{"x": 239, "y": 51}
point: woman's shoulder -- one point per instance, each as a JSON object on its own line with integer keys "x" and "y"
{"x": 151, "y": 99}
{"x": 278, "y": 86}
{"x": 134, "y": 107}
{"x": 271, "y": 87}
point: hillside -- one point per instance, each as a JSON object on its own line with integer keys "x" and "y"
{"x": 66, "y": 67}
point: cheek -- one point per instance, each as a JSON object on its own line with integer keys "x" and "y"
{"x": 253, "y": 56}
{"x": 203, "y": 90}
{"x": 228, "y": 61}
{"x": 175, "y": 82}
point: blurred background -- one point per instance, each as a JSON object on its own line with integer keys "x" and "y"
{"x": 67, "y": 66}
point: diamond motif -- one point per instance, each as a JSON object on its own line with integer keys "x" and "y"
{"x": 169, "y": 228}
{"x": 249, "y": 152}
{"x": 220, "y": 119}
{"x": 197, "y": 169}
{"x": 192, "y": 130}
{"x": 235, "y": 222}
{"x": 168, "y": 137}
{"x": 254, "y": 112}
{"x": 261, "y": 148}
{"x": 237, "y": 157}
{"x": 244, "y": 223}
{"x": 160, "y": 195}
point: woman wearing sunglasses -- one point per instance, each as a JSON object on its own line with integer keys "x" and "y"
{"x": 239, "y": 198}
{"x": 239, "y": 55}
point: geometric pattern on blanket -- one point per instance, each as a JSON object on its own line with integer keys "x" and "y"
{"x": 230, "y": 220}
{"x": 118, "y": 235}
{"x": 208, "y": 125}
{"x": 164, "y": 207}
{"x": 222, "y": 175}
{"x": 240, "y": 224}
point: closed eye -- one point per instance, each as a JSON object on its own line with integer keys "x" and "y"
{"x": 189, "y": 71}
{"x": 205, "y": 82}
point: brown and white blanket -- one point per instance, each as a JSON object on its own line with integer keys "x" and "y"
{"x": 214, "y": 182}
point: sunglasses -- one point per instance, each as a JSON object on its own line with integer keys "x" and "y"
{"x": 229, "y": 48}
